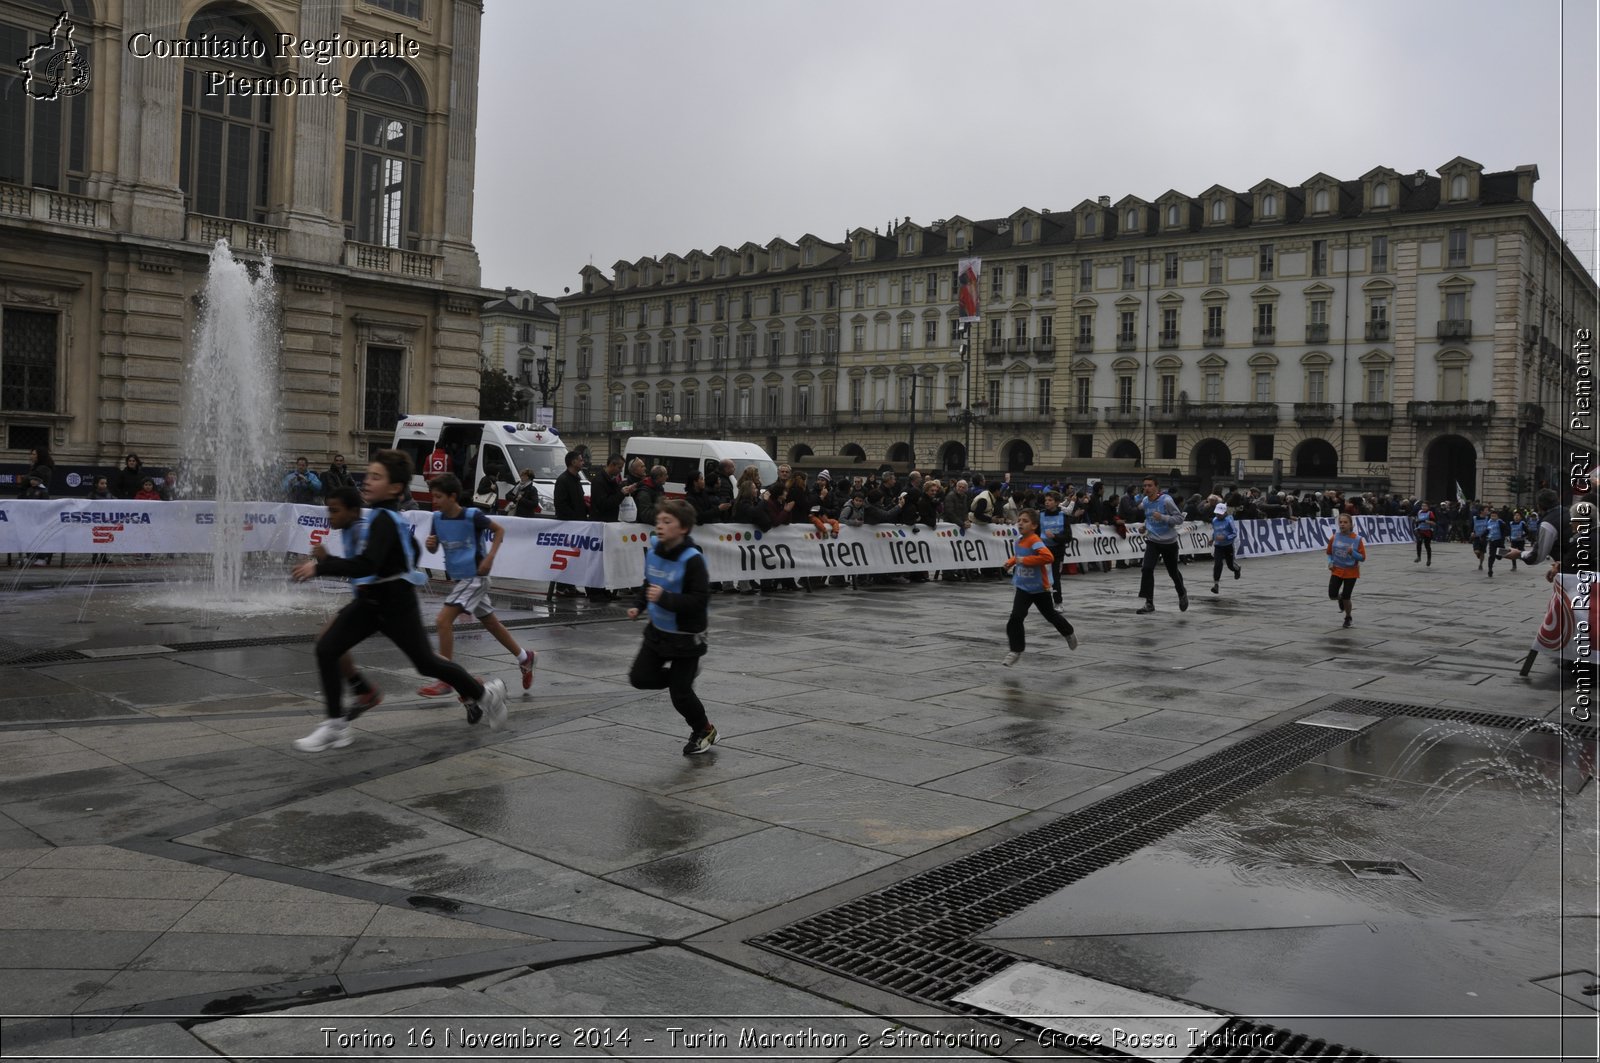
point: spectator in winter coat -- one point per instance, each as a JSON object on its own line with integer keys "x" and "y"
{"x": 129, "y": 477}
{"x": 569, "y": 502}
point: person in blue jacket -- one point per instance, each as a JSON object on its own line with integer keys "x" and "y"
{"x": 1053, "y": 530}
{"x": 1224, "y": 534}
{"x": 674, "y": 596}
{"x": 1480, "y": 532}
{"x": 1030, "y": 575}
{"x": 1424, "y": 523}
{"x": 1494, "y": 536}
{"x": 1517, "y": 535}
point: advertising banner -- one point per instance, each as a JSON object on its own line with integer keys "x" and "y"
{"x": 1571, "y": 619}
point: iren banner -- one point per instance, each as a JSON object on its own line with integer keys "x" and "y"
{"x": 592, "y": 554}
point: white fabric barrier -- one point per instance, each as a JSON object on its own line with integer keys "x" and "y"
{"x": 592, "y": 554}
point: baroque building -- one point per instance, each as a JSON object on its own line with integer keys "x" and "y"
{"x": 519, "y": 339}
{"x": 1404, "y": 331}
{"x": 193, "y": 124}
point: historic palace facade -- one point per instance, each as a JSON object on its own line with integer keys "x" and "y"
{"x": 115, "y": 185}
{"x": 1410, "y": 331}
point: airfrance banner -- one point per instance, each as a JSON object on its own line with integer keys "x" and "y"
{"x": 592, "y": 554}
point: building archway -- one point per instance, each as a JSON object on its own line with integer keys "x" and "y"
{"x": 1018, "y": 456}
{"x": 1125, "y": 449}
{"x": 1213, "y": 461}
{"x": 899, "y": 452}
{"x": 853, "y": 451}
{"x": 1315, "y": 459}
{"x": 799, "y": 452}
{"x": 953, "y": 457}
{"x": 1447, "y": 462}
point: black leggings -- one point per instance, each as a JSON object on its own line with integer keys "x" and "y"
{"x": 392, "y": 609}
{"x": 653, "y": 670}
{"x": 1020, "y": 604}
{"x": 1341, "y": 588}
{"x": 1493, "y": 547}
{"x": 1168, "y": 554}
{"x": 1425, "y": 542}
{"x": 1223, "y": 555}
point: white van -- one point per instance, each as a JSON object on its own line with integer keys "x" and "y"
{"x": 685, "y": 457}
{"x": 480, "y": 448}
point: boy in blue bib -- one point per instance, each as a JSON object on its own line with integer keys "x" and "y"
{"x": 462, "y": 532}
{"x": 673, "y": 596}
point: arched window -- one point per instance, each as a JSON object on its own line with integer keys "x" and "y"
{"x": 1269, "y": 205}
{"x": 1088, "y": 224}
{"x": 384, "y": 151}
{"x": 226, "y": 149}
{"x": 1172, "y": 214}
{"x": 1380, "y": 194}
{"x": 42, "y": 141}
{"x": 1027, "y": 231}
{"x": 1458, "y": 186}
{"x": 1219, "y": 210}
{"x": 1133, "y": 219}
{"x": 1319, "y": 202}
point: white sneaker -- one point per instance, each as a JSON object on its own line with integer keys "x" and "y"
{"x": 494, "y": 703}
{"x": 330, "y": 734}
{"x": 1011, "y": 659}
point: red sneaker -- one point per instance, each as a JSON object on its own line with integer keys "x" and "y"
{"x": 362, "y": 702}
{"x": 435, "y": 690}
{"x": 527, "y": 663}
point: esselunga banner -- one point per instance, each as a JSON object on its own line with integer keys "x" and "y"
{"x": 593, "y": 554}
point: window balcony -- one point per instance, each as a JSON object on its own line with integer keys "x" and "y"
{"x": 1166, "y": 413}
{"x": 1083, "y": 344}
{"x": 1045, "y": 346}
{"x": 1455, "y": 329}
{"x": 1118, "y": 417}
{"x": 1263, "y": 335}
{"x": 242, "y": 236}
{"x": 1317, "y": 332}
{"x": 1021, "y": 415}
{"x": 1087, "y": 418}
{"x": 61, "y": 208}
{"x": 1372, "y": 412}
{"x": 1019, "y": 345}
{"x": 1377, "y": 330}
{"x": 1464, "y": 412}
{"x": 1262, "y": 413}
{"x": 1126, "y": 341}
{"x": 1531, "y": 414}
{"x": 1168, "y": 338}
{"x": 1213, "y": 337}
{"x": 995, "y": 346}
{"x": 1320, "y": 413}
{"x": 393, "y": 260}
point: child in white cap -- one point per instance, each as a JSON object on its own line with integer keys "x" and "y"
{"x": 1224, "y": 533}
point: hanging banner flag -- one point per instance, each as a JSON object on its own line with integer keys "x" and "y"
{"x": 967, "y": 271}
{"x": 1571, "y": 619}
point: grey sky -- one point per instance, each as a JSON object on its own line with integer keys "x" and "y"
{"x": 624, "y": 129}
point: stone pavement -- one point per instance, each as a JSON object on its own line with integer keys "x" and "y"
{"x": 164, "y": 852}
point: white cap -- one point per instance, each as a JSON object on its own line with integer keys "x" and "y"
{"x": 1222, "y": 509}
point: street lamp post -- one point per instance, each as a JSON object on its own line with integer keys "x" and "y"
{"x": 548, "y": 377}
{"x": 666, "y": 420}
{"x": 973, "y": 412}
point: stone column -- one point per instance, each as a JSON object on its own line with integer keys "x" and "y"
{"x": 460, "y": 257}
{"x": 1406, "y": 462}
{"x": 147, "y": 201}
{"x": 313, "y": 210}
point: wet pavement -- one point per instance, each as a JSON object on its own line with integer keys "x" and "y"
{"x": 164, "y": 851}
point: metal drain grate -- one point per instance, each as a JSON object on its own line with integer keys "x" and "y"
{"x": 915, "y": 937}
{"x": 44, "y": 657}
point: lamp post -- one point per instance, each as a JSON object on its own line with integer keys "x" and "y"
{"x": 666, "y": 420}
{"x": 548, "y": 376}
{"x": 975, "y": 411}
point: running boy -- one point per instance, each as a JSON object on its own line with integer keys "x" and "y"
{"x": 1030, "y": 575}
{"x": 1224, "y": 533}
{"x": 1346, "y": 551}
{"x": 380, "y": 561}
{"x": 344, "y": 513}
{"x": 674, "y": 594}
{"x": 462, "y": 531}
{"x": 1425, "y": 522}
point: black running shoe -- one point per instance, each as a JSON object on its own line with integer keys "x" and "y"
{"x": 700, "y": 741}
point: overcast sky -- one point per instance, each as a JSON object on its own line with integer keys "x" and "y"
{"x": 615, "y": 130}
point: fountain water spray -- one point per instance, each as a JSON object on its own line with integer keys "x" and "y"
{"x": 231, "y": 426}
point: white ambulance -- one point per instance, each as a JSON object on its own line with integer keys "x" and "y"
{"x": 685, "y": 457}
{"x": 475, "y": 449}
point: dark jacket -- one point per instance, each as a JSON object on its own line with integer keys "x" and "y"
{"x": 919, "y": 509}
{"x": 337, "y": 476}
{"x": 384, "y": 555}
{"x": 126, "y": 483}
{"x": 569, "y": 499}
{"x": 705, "y": 505}
{"x": 646, "y": 496}
{"x": 605, "y": 496}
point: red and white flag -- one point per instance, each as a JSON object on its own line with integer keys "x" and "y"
{"x": 967, "y": 271}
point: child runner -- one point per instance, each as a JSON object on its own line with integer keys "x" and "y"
{"x": 674, "y": 594}
{"x": 1346, "y": 551}
{"x": 380, "y": 562}
{"x": 1053, "y": 530}
{"x": 1030, "y": 574}
{"x": 1517, "y": 536}
{"x": 344, "y": 513}
{"x": 1494, "y": 538}
{"x": 1480, "y": 532}
{"x": 462, "y": 531}
{"x": 1224, "y": 533}
{"x": 1162, "y": 518}
{"x": 1425, "y": 523}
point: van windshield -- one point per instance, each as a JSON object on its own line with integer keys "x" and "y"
{"x": 547, "y": 462}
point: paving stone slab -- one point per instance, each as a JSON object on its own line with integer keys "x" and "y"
{"x": 333, "y": 830}
{"x": 498, "y": 876}
{"x": 453, "y": 773}
{"x": 276, "y": 918}
{"x": 46, "y": 948}
{"x": 271, "y": 957}
{"x": 895, "y": 758}
{"x": 109, "y": 885}
{"x": 1180, "y": 725}
{"x": 155, "y": 1043}
{"x": 853, "y": 808}
{"x": 639, "y": 758}
{"x": 1025, "y": 782}
{"x": 1056, "y": 741}
{"x": 652, "y": 711}
{"x": 33, "y": 992}
{"x": 734, "y": 878}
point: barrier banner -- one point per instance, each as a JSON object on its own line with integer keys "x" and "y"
{"x": 592, "y": 554}
{"x": 1572, "y": 618}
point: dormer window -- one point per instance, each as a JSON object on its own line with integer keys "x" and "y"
{"x": 1088, "y": 224}
{"x": 1027, "y": 231}
{"x": 1172, "y": 214}
{"x": 1269, "y": 205}
{"x": 722, "y": 266}
{"x": 750, "y": 262}
{"x": 1458, "y": 186}
{"x": 1219, "y": 210}
{"x": 961, "y": 239}
{"x": 1132, "y": 221}
{"x": 810, "y": 254}
{"x": 672, "y": 274}
{"x": 777, "y": 258}
{"x": 1380, "y": 194}
{"x": 1319, "y": 202}
{"x": 861, "y": 248}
